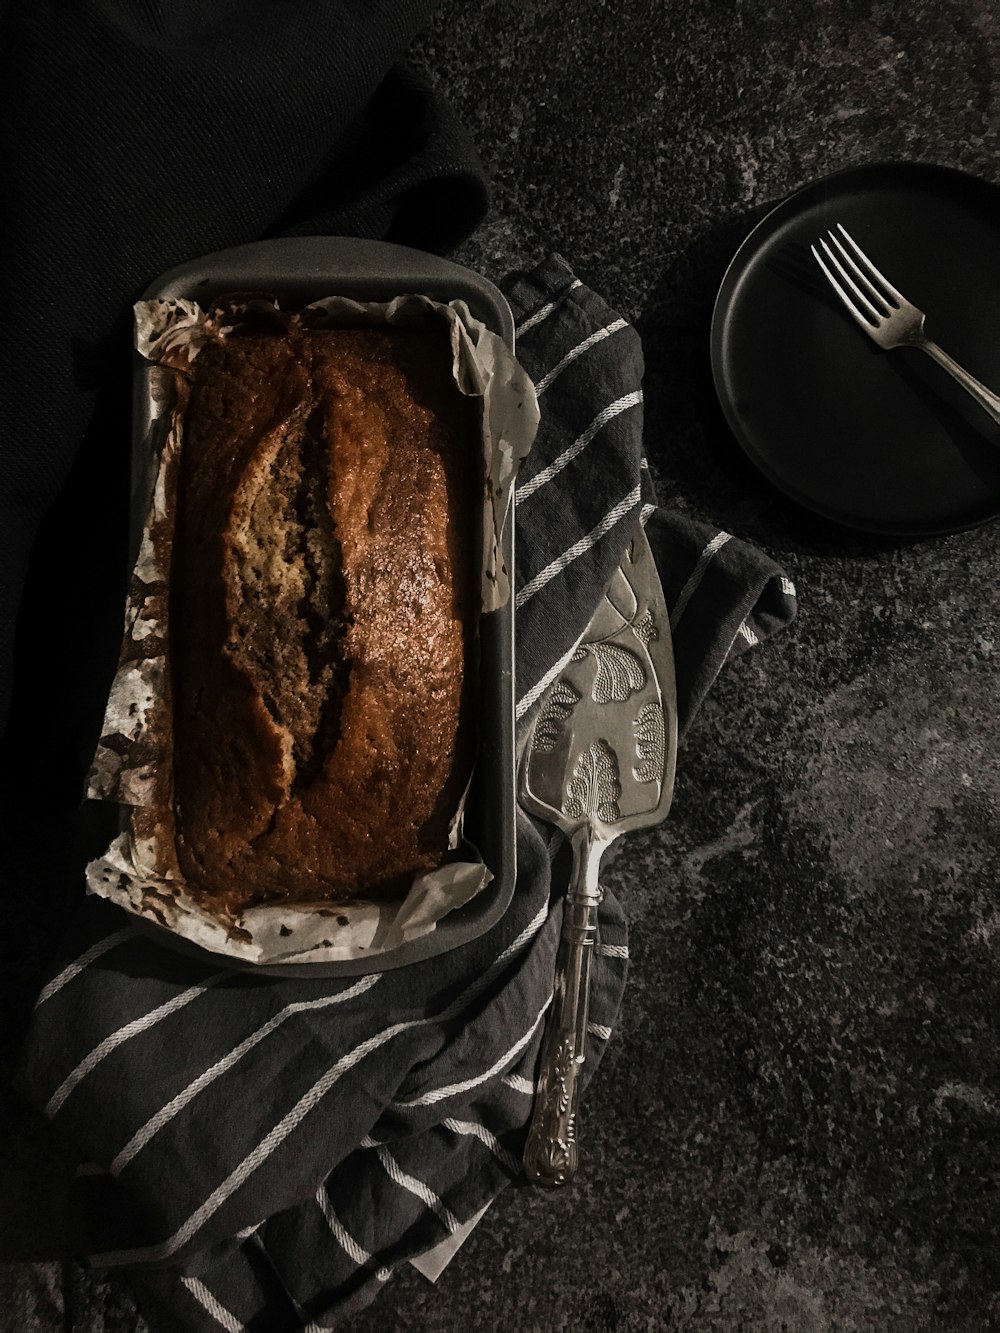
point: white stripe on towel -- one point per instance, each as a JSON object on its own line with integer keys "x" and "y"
{"x": 528, "y": 933}
{"x": 607, "y": 414}
{"x": 472, "y": 1129}
{"x": 748, "y": 634}
{"x": 208, "y": 1302}
{"x": 123, "y": 1034}
{"x": 417, "y": 1188}
{"x": 520, "y": 1084}
{"x": 439, "y": 1094}
{"x": 85, "y": 959}
{"x": 578, "y": 548}
{"x": 696, "y": 575}
{"x": 166, "y": 1113}
{"x": 599, "y": 1030}
{"x": 344, "y": 1238}
{"x": 611, "y": 950}
{"x": 578, "y": 350}
{"x": 544, "y": 311}
{"x": 538, "y": 690}
{"x": 787, "y": 586}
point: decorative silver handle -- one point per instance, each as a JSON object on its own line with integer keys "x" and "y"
{"x": 551, "y": 1152}
{"x": 986, "y": 398}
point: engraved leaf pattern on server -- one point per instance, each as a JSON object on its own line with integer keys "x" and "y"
{"x": 650, "y": 744}
{"x": 556, "y": 710}
{"x": 644, "y": 628}
{"x": 595, "y": 788}
{"x": 620, "y": 673}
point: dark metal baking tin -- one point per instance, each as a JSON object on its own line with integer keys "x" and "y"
{"x": 296, "y": 271}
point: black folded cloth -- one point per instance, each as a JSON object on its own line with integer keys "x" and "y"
{"x": 261, "y": 1153}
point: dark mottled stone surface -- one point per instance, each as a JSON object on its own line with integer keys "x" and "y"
{"x": 797, "y": 1125}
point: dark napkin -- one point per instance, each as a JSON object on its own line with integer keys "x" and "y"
{"x": 262, "y": 1153}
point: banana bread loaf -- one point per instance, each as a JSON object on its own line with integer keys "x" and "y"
{"x": 322, "y": 614}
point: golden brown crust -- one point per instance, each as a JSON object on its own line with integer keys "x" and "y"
{"x": 322, "y": 614}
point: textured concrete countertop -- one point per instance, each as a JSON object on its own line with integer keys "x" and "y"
{"x": 797, "y": 1125}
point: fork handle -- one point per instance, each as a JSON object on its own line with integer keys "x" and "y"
{"x": 551, "y": 1153}
{"x": 987, "y": 400}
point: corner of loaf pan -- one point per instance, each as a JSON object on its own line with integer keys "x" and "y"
{"x": 296, "y": 272}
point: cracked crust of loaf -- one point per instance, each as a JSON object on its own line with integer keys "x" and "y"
{"x": 322, "y": 614}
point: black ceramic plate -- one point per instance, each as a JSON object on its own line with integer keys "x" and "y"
{"x": 881, "y": 441}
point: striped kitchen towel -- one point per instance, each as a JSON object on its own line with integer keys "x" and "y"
{"x": 261, "y": 1153}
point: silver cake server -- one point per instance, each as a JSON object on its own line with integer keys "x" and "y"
{"x": 599, "y": 762}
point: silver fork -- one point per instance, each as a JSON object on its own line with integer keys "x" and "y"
{"x": 888, "y": 318}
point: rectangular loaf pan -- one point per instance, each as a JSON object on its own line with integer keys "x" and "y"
{"x": 297, "y": 271}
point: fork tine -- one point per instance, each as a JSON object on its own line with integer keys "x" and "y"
{"x": 851, "y": 307}
{"x": 880, "y": 298}
{"x": 876, "y": 315}
{"x": 896, "y": 296}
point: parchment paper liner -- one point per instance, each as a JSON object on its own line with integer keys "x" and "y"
{"x": 133, "y": 763}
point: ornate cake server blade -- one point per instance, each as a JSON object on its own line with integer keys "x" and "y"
{"x": 599, "y": 762}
